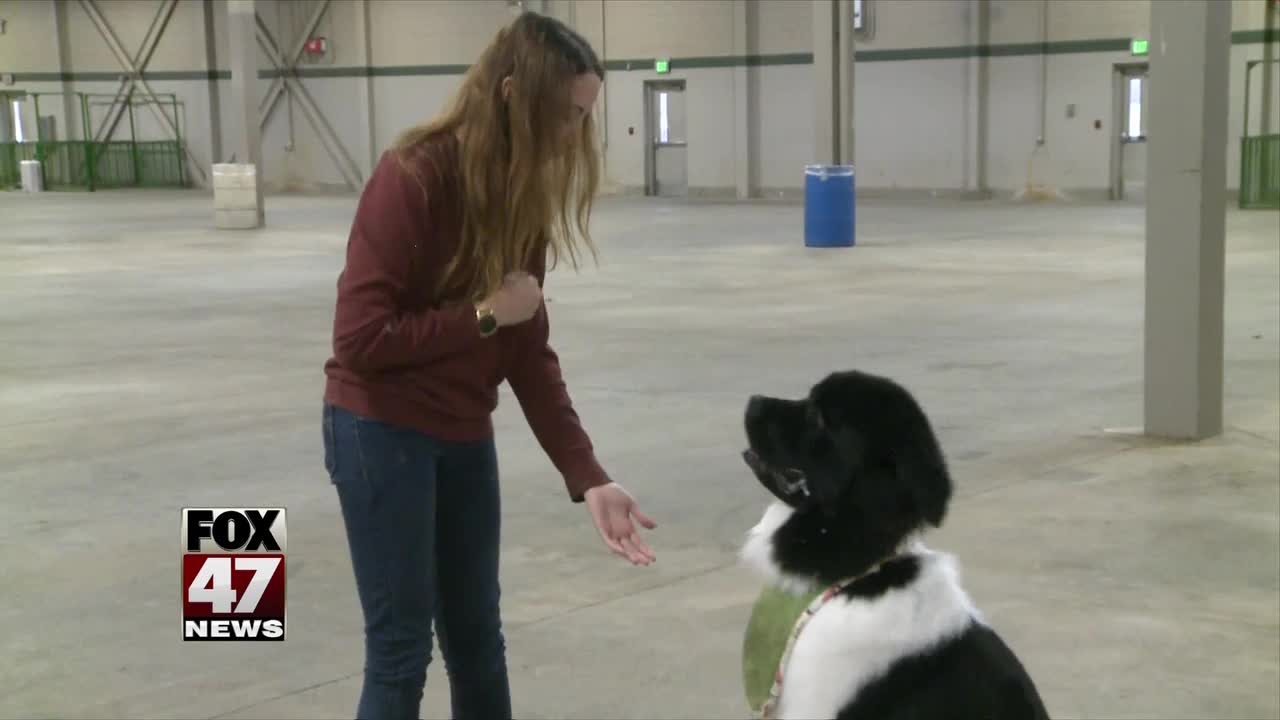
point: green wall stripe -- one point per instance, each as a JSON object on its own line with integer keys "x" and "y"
{"x": 417, "y": 70}
{"x": 713, "y": 61}
{"x": 953, "y": 52}
{"x": 1253, "y": 37}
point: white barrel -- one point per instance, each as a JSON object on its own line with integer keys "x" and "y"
{"x": 235, "y": 196}
{"x": 32, "y": 175}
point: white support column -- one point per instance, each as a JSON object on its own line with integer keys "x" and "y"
{"x": 833, "y": 67}
{"x": 1270, "y": 22}
{"x": 215, "y": 97}
{"x": 368, "y": 129}
{"x": 741, "y": 128}
{"x": 977, "y": 99}
{"x": 604, "y": 96}
{"x": 1186, "y": 217}
{"x": 826, "y": 96}
{"x": 844, "y": 82}
{"x": 71, "y": 116}
{"x": 243, "y": 56}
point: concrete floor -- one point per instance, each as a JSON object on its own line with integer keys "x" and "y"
{"x": 152, "y": 363}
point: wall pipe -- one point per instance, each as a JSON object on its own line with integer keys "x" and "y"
{"x": 1034, "y": 189}
{"x": 845, "y": 134}
{"x": 289, "y": 144}
{"x": 1269, "y": 38}
{"x": 604, "y": 96}
{"x": 64, "y": 66}
{"x": 1044, "y": 70}
{"x": 215, "y": 98}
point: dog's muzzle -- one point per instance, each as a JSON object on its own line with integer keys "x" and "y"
{"x": 790, "y": 485}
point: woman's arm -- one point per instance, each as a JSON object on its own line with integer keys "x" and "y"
{"x": 370, "y": 331}
{"x": 536, "y": 379}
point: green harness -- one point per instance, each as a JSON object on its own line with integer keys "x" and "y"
{"x": 776, "y": 621}
{"x": 773, "y": 620}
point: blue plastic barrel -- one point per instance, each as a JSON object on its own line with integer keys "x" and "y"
{"x": 828, "y": 206}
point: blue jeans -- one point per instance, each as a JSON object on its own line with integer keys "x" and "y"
{"x": 422, "y": 519}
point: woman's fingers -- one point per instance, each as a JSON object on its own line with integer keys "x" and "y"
{"x": 643, "y": 547}
{"x": 634, "y": 554}
{"x": 631, "y": 539}
{"x": 608, "y": 539}
{"x": 645, "y": 520}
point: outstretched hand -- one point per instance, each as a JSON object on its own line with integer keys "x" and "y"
{"x": 611, "y": 509}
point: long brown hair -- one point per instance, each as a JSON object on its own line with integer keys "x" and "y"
{"x": 525, "y": 191}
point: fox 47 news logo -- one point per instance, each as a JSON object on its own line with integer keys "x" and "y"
{"x": 233, "y": 573}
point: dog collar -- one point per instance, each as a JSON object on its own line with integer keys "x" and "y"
{"x": 770, "y": 706}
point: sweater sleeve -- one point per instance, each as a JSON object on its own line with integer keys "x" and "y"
{"x": 371, "y": 331}
{"x": 536, "y": 380}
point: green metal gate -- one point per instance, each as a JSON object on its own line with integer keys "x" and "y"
{"x": 1259, "y": 154}
{"x": 89, "y": 165}
{"x": 9, "y": 166}
{"x": 1260, "y": 172}
{"x": 81, "y": 165}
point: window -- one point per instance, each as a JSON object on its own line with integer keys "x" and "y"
{"x": 1134, "y": 126}
{"x": 17, "y": 121}
{"x": 664, "y": 128}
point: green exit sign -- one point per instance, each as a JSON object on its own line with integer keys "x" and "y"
{"x": 662, "y": 67}
{"x": 1138, "y": 46}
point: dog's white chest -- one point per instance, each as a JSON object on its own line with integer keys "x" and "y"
{"x": 850, "y": 643}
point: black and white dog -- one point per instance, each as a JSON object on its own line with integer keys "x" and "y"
{"x": 858, "y": 476}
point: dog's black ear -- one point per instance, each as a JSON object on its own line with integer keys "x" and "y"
{"x": 922, "y": 471}
{"x": 930, "y": 490}
{"x": 914, "y": 455}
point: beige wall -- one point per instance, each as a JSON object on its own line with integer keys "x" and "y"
{"x": 441, "y": 32}
{"x": 180, "y": 48}
{"x": 780, "y": 26}
{"x": 909, "y": 113}
{"x": 430, "y": 32}
{"x": 645, "y": 28}
{"x": 1019, "y": 20}
{"x": 26, "y": 45}
{"x": 917, "y": 24}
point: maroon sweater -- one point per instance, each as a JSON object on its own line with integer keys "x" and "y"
{"x": 402, "y": 359}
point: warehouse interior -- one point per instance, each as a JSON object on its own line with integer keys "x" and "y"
{"x": 1067, "y": 247}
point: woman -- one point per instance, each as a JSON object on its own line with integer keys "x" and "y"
{"x": 440, "y": 301}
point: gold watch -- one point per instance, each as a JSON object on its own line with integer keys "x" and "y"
{"x": 486, "y": 320}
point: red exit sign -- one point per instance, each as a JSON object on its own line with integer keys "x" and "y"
{"x": 316, "y": 46}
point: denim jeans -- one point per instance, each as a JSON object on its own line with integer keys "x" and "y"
{"x": 422, "y": 521}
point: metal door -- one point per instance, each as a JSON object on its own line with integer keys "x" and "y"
{"x": 1129, "y": 131}
{"x": 667, "y": 154}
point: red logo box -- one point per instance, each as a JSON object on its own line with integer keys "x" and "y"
{"x": 233, "y": 574}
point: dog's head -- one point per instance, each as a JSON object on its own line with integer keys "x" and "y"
{"x": 855, "y": 467}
